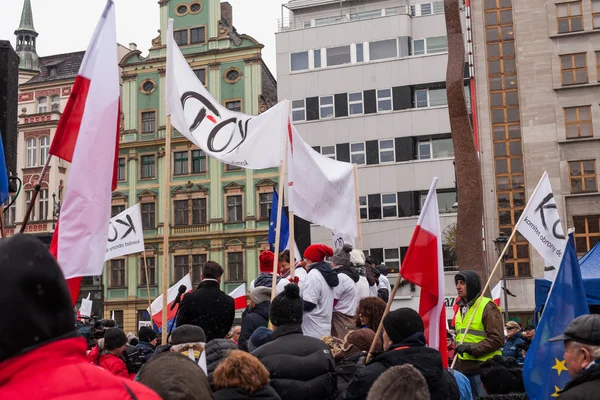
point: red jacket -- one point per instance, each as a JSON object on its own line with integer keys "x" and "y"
{"x": 59, "y": 370}
{"x": 114, "y": 365}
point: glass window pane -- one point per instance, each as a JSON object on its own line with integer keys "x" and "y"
{"x": 581, "y": 76}
{"x": 508, "y": 49}
{"x": 421, "y": 98}
{"x": 317, "y": 58}
{"x": 516, "y": 165}
{"x": 499, "y": 133}
{"x": 357, "y": 147}
{"x": 424, "y": 150}
{"x": 590, "y": 184}
{"x": 592, "y": 225}
{"x": 515, "y": 149}
{"x": 497, "y": 100}
{"x": 579, "y": 223}
{"x": 574, "y": 168}
{"x": 497, "y": 116}
{"x": 437, "y": 97}
{"x": 502, "y": 183}
{"x": 496, "y": 83}
{"x": 512, "y": 98}
{"x": 491, "y": 18}
{"x": 386, "y": 144}
{"x": 338, "y": 55}
{"x": 509, "y": 66}
{"x": 562, "y": 10}
{"x": 580, "y": 61}
{"x": 575, "y": 8}
{"x": 505, "y": 17}
{"x": 503, "y": 200}
{"x": 500, "y": 149}
{"x": 360, "y": 54}
{"x": 299, "y": 61}
{"x": 494, "y": 67}
{"x": 566, "y": 62}
{"x": 442, "y": 148}
{"x": 437, "y": 44}
{"x": 584, "y": 113}
{"x": 514, "y": 131}
{"x": 563, "y": 26}
{"x": 501, "y": 167}
{"x": 507, "y": 33}
{"x": 581, "y": 244}
{"x": 383, "y": 49}
{"x": 493, "y": 50}
{"x": 418, "y": 47}
{"x": 518, "y": 199}
{"x": 576, "y": 24}
{"x": 589, "y": 167}
{"x": 585, "y": 130}
{"x": 388, "y": 198}
{"x": 492, "y": 35}
{"x": 576, "y": 185}
{"x": 512, "y": 114}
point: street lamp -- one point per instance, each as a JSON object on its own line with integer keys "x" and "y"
{"x": 500, "y": 243}
{"x": 55, "y": 210}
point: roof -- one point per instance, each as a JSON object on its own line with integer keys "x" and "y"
{"x": 26, "y": 18}
{"x": 67, "y": 66}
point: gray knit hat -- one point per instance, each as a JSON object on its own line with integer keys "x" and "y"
{"x": 341, "y": 257}
{"x": 260, "y": 294}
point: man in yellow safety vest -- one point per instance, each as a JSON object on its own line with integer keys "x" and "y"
{"x": 485, "y": 336}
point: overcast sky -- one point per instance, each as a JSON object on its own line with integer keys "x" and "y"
{"x": 67, "y": 25}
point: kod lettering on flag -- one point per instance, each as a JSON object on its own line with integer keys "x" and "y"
{"x": 340, "y": 239}
{"x": 125, "y": 233}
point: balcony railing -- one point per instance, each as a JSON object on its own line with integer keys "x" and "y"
{"x": 187, "y": 229}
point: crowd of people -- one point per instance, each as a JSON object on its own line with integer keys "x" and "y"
{"x": 311, "y": 341}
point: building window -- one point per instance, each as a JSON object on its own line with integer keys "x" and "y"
{"x": 201, "y": 75}
{"x": 121, "y": 171}
{"x": 446, "y": 201}
{"x": 391, "y": 259}
{"x": 326, "y": 106}
{"x": 596, "y": 14}
{"x": 386, "y": 151}
{"x": 573, "y": 69}
{"x": 317, "y": 58}
{"x": 360, "y": 52}
{"x": 151, "y": 265}
{"x": 148, "y": 163}
{"x": 180, "y": 163}
{"x": 234, "y": 105}
{"x": 389, "y": 205}
{"x": 55, "y": 103}
{"x": 198, "y": 162}
{"x": 438, "y": 44}
{"x": 235, "y": 266}
{"x": 197, "y": 35}
{"x": 148, "y": 121}
{"x": 383, "y": 49}
{"x": 338, "y": 55}
{"x": 42, "y": 105}
{"x": 199, "y": 214}
{"x": 32, "y": 152}
{"x": 568, "y": 16}
{"x": 198, "y": 261}
{"x": 10, "y": 212}
{"x": 44, "y": 148}
{"x": 298, "y": 110}
{"x": 425, "y": 8}
{"x": 418, "y": 47}
{"x": 28, "y": 197}
{"x": 578, "y": 122}
{"x": 435, "y": 148}
{"x": 421, "y": 98}
{"x": 181, "y": 37}
{"x": 265, "y": 201}
{"x": 328, "y": 151}
{"x": 117, "y": 273}
{"x": 234, "y": 208}
{"x": 229, "y": 167}
{"x": 116, "y": 210}
{"x": 430, "y": 98}
{"x": 364, "y": 209}
{"x": 355, "y": 103}
{"x": 587, "y": 232}
{"x": 182, "y": 267}
{"x": 299, "y": 61}
{"x": 181, "y": 212}
{"x": 357, "y": 153}
{"x": 43, "y": 205}
{"x": 148, "y": 216}
{"x": 583, "y": 176}
{"x": 384, "y": 100}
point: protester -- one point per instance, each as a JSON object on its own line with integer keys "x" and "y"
{"x": 284, "y": 264}
{"x": 582, "y": 355}
{"x": 318, "y": 291}
{"x": 257, "y": 314}
{"x": 147, "y": 343}
{"x": 345, "y": 294}
{"x": 134, "y": 360}
{"x": 451, "y": 343}
{"x": 265, "y": 278}
{"x": 208, "y": 307}
{"x": 234, "y": 334}
{"x": 260, "y": 337}
{"x": 100, "y": 328}
{"x": 486, "y": 334}
{"x": 529, "y": 332}
{"x": 372, "y": 274}
{"x": 41, "y": 356}
{"x": 384, "y": 290}
{"x": 354, "y": 350}
{"x": 175, "y": 377}
{"x": 369, "y": 313}
{"x": 357, "y": 258}
{"x": 402, "y": 382}
{"x": 188, "y": 340}
{"x": 404, "y": 343}
{"x": 301, "y": 367}
{"x": 216, "y": 351}
{"x": 335, "y": 344}
{"x": 502, "y": 379}
{"x": 110, "y": 359}
{"x": 241, "y": 376}
{"x": 514, "y": 341}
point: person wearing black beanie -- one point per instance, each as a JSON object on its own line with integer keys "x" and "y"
{"x": 147, "y": 344}
{"x": 404, "y": 343}
{"x": 115, "y": 342}
{"x": 301, "y": 367}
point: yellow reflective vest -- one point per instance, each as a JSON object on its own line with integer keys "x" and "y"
{"x": 476, "y": 331}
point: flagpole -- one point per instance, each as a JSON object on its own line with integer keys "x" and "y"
{"x": 358, "y": 225}
{"x": 278, "y": 226}
{"x": 292, "y": 246}
{"x": 147, "y": 284}
{"x": 166, "y": 230}
{"x": 485, "y": 288}
{"x": 36, "y": 190}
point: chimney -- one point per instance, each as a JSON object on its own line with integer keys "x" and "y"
{"x": 227, "y": 13}
{"x": 132, "y": 46}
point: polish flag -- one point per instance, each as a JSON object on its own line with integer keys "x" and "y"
{"x": 239, "y": 297}
{"x": 496, "y": 292}
{"x": 87, "y": 136}
{"x": 424, "y": 267}
{"x": 156, "y": 306}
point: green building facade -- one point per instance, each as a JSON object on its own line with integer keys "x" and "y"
{"x": 217, "y": 212}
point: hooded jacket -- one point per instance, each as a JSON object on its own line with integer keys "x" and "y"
{"x": 584, "y": 385}
{"x": 217, "y": 350}
{"x": 265, "y": 279}
{"x": 264, "y": 393}
{"x": 352, "y": 272}
{"x": 491, "y": 318}
{"x": 328, "y": 273}
{"x": 251, "y": 321}
{"x": 146, "y": 348}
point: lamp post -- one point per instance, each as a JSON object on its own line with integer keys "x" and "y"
{"x": 500, "y": 243}
{"x": 55, "y": 210}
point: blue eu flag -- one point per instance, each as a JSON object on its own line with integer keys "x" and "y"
{"x": 544, "y": 370}
{"x": 3, "y": 176}
{"x": 285, "y": 226}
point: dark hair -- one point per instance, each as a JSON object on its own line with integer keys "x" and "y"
{"x": 371, "y": 308}
{"x": 146, "y": 334}
{"x": 501, "y": 375}
{"x": 212, "y": 270}
{"x": 284, "y": 256}
{"x": 372, "y": 260}
{"x": 400, "y": 382}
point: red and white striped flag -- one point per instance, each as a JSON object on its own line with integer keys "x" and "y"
{"x": 239, "y": 297}
{"x": 156, "y": 309}
{"x": 496, "y": 293}
{"x": 87, "y": 136}
{"x": 423, "y": 266}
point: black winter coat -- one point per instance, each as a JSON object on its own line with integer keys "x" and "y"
{"x": 585, "y": 385}
{"x": 216, "y": 351}
{"x": 146, "y": 348}
{"x": 266, "y": 393}
{"x": 301, "y": 367}
{"x": 209, "y": 308}
{"x": 442, "y": 386}
{"x": 255, "y": 318}
{"x": 345, "y": 370}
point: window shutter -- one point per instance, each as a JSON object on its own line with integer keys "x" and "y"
{"x": 401, "y": 97}
{"x": 372, "y": 147}
{"x": 342, "y": 151}
{"x": 341, "y": 105}
{"x": 405, "y": 204}
{"x": 312, "y": 108}
{"x": 317, "y": 149}
{"x": 405, "y": 148}
{"x": 375, "y": 206}
{"x": 404, "y": 46}
{"x": 370, "y": 100}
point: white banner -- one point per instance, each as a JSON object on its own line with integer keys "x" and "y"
{"x": 125, "y": 233}
{"x": 340, "y": 239}
{"x": 321, "y": 190}
{"x": 86, "y": 307}
{"x": 540, "y": 223}
{"x": 253, "y": 142}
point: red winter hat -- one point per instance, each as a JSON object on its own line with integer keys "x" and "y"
{"x": 266, "y": 261}
{"x": 317, "y": 252}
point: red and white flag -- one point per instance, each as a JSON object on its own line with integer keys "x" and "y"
{"x": 496, "y": 292}
{"x": 239, "y": 297}
{"x": 156, "y": 309}
{"x": 87, "y": 136}
{"x": 423, "y": 266}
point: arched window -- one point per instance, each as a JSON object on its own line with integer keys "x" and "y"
{"x": 42, "y": 105}
{"x": 55, "y": 103}
{"x": 44, "y": 147}
{"x": 32, "y": 152}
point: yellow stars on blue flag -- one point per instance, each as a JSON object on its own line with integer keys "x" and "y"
{"x": 556, "y": 390}
{"x": 559, "y": 366}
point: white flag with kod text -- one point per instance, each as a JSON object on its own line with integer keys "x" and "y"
{"x": 540, "y": 223}
{"x": 253, "y": 142}
{"x": 125, "y": 234}
{"x": 340, "y": 239}
{"x": 321, "y": 190}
